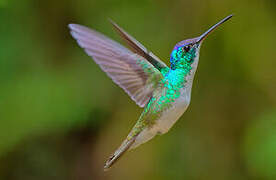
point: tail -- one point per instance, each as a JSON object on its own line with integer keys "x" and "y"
{"x": 119, "y": 152}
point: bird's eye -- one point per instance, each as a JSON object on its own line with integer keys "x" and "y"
{"x": 187, "y": 48}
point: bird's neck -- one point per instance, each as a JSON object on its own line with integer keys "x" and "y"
{"x": 177, "y": 76}
{"x": 182, "y": 73}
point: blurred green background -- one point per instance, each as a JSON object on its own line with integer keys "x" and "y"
{"x": 61, "y": 116}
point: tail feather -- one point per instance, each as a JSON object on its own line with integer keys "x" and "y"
{"x": 119, "y": 152}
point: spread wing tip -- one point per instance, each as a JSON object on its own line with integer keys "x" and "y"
{"x": 73, "y": 26}
{"x": 104, "y": 50}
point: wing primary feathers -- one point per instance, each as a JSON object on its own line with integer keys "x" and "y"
{"x": 119, "y": 63}
{"x": 138, "y": 48}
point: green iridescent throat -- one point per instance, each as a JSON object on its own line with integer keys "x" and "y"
{"x": 169, "y": 87}
{"x": 174, "y": 78}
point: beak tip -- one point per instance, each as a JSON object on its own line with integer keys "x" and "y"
{"x": 204, "y": 35}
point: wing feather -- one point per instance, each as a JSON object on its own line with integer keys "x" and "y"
{"x": 138, "y": 48}
{"x": 120, "y": 64}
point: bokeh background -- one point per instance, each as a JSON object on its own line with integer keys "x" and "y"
{"x": 61, "y": 116}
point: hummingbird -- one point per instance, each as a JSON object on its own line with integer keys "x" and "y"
{"x": 164, "y": 92}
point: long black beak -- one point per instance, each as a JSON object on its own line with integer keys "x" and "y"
{"x": 204, "y": 35}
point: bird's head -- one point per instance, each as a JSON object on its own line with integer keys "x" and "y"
{"x": 186, "y": 53}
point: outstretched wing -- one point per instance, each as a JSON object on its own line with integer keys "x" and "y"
{"x": 138, "y": 48}
{"x": 130, "y": 71}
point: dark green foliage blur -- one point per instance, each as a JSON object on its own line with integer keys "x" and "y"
{"x": 61, "y": 116}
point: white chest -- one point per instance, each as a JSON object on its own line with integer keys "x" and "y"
{"x": 172, "y": 114}
{"x": 166, "y": 120}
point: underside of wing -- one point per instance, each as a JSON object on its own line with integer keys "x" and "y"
{"x": 130, "y": 71}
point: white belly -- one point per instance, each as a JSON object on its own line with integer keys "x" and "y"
{"x": 166, "y": 120}
{"x": 170, "y": 116}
